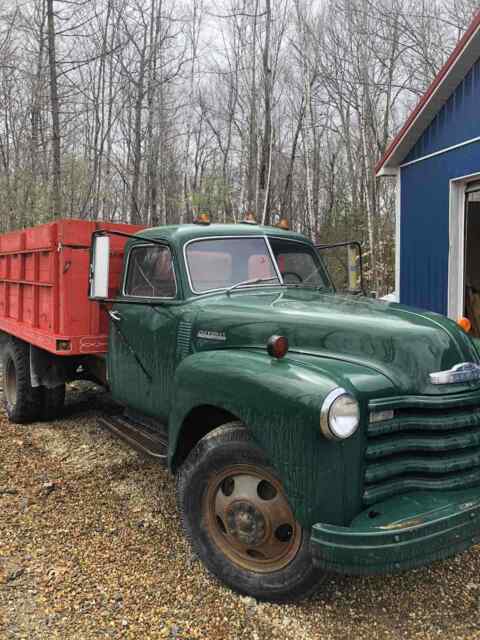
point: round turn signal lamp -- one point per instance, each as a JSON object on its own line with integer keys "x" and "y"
{"x": 277, "y": 346}
{"x": 465, "y": 324}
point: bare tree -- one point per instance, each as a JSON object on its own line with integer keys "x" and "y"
{"x": 55, "y": 112}
{"x": 150, "y": 110}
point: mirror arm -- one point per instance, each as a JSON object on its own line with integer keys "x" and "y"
{"x": 122, "y": 234}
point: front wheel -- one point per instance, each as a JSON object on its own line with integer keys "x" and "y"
{"x": 238, "y": 519}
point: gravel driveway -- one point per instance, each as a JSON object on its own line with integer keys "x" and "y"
{"x": 90, "y": 547}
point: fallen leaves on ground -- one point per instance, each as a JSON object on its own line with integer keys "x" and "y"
{"x": 91, "y": 547}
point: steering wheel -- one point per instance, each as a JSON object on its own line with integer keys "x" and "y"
{"x": 141, "y": 287}
{"x": 285, "y": 274}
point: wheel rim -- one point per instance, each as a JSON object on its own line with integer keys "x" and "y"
{"x": 11, "y": 383}
{"x": 250, "y": 520}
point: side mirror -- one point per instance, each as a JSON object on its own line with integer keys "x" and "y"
{"x": 354, "y": 270}
{"x": 99, "y": 267}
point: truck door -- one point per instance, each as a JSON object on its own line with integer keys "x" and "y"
{"x": 143, "y": 329}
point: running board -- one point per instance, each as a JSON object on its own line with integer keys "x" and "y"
{"x": 140, "y": 435}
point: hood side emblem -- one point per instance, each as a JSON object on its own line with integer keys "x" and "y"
{"x": 205, "y": 334}
{"x": 463, "y": 372}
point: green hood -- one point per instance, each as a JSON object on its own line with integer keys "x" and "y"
{"x": 402, "y": 343}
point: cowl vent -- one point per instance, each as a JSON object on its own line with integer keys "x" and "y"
{"x": 184, "y": 339}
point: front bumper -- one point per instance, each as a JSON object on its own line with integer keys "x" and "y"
{"x": 401, "y": 533}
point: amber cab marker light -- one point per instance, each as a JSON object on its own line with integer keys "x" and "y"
{"x": 249, "y": 218}
{"x": 277, "y": 346}
{"x": 283, "y": 224}
{"x": 202, "y": 218}
{"x": 465, "y": 324}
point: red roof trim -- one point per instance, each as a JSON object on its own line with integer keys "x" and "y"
{"x": 431, "y": 90}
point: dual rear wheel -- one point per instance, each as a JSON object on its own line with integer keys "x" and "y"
{"x": 24, "y": 403}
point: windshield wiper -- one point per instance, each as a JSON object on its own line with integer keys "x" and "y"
{"x": 245, "y": 283}
{"x": 301, "y": 285}
{"x": 313, "y": 287}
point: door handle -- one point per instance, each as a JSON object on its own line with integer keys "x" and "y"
{"x": 115, "y": 316}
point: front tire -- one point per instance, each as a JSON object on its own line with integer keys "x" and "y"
{"x": 237, "y": 518}
{"x": 23, "y": 403}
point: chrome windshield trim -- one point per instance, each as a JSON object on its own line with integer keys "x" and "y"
{"x": 219, "y": 289}
{"x": 272, "y": 256}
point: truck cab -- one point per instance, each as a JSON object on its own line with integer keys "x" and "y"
{"x": 309, "y": 431}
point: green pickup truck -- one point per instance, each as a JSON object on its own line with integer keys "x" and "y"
{"x": 309, "y": 431}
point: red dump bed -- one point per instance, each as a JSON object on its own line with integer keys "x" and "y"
{"x": 44, "y": 286}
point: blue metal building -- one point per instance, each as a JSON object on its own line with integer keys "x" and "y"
{"x": 436, "y": 161}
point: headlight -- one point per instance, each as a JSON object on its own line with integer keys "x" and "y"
{"x": 340, "y": 415}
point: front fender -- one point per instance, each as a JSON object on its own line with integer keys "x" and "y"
{"x": 279, "y": 401}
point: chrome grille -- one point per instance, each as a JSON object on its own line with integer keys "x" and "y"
{"x": 422, "y": 449}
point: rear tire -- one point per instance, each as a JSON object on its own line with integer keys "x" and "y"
{"x": 236, "y": 516}
{"x": 23, "y": 403}
{"x": 52, "y": 402}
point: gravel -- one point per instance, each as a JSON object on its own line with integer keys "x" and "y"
{"x": 91, "y": 547}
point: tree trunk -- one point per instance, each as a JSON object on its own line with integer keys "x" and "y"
{"x": 135, "y": 210}
{"x": 252, "y": 139}
{"x": 266, "y": 162}
{"x": 55, "y": 112}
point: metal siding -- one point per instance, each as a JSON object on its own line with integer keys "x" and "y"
{"x": 424, "y": 231}
{"x": 456, "y": 122}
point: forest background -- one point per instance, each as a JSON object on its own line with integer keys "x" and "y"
{"x": 151, "y": 111}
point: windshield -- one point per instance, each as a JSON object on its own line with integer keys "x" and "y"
{"x": 299, "y": 264}
{"x": 222, "y": 263}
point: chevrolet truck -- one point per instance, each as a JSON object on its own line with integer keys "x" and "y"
{"x": 309, "y": 431}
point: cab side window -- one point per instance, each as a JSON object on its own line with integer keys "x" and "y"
{"x": 150, "y": 272}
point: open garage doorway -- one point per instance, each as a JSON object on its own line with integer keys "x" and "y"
{"x": 472, "y": 256}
